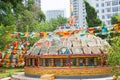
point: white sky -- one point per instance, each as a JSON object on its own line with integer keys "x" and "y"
{"x": 56, "y": 5}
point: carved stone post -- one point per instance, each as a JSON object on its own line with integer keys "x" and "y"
{"x": 77, "y": 61}
{"x": 61, "y": 62}
{"x": 36, "y": 63}
{"x": 102, "y": 62}
{"x": 29, "y": 63}
{"x": 52, "y": 62}
{"x": 86, "y": 60}
{"x": 95, "y": 61}
{"x": 44, "y": 62}
{"x": 33, "y": 62}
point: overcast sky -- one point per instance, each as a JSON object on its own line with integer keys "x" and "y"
{"x": 56, "y": 5}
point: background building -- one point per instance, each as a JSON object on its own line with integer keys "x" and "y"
{"x": 106, "y": 9}
{"x": 54, "y": 14}
{"x": 79, "y": 12}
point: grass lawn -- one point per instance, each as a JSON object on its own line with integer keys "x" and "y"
{"x": 6, "y": 72}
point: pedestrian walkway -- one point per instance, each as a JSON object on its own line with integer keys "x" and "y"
{"x": 21, "y": 76}
{"x": 106, "y": 78}
{"x": 7, "y": 78}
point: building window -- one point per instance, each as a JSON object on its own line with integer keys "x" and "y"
{"x": 102, "y": 4}
{"x": 108, "y": 3}
{"x": 74, "y": 0}
{"x": 97, "y": 5}
{"x": 103, "y": 11}
{"x": 97, "y": 11}
{"x": 114, "y": 3}
{"x": 108, "y": 22}
{"x": 83, "y": 5}
{"x": 108, "y": 9}
{"x": 103, "y": 17}
{"x": 114, "y": 9}
{"x": 108, "y": 16}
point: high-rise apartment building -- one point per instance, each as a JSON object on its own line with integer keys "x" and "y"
{"x": 54, "y": 14}
{"x": 105, "y": 9}
{"x": 79, "y": 12}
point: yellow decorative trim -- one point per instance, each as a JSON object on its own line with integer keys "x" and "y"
{"x": 69, "y": 71}
{"x": 67, "y": 56}
{"x": 54, "y": 57}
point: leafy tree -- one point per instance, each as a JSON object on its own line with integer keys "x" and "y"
{"x": 24, "y": 20}
{"x": 29, "y": 17}
{"x": 37, "y": 12}
{"x": 91, "y": 18}
{"x": 5, "y": 35}
{"x": 57, "y": 22}
{"x": 54, "y": 23}
{"x": 115, "y": 19}
{"x": 6, "y": 15}
{"x": 61, "y": 20}
{"x": 14, "y": 12}
{"x": 113, "y": 58}
{"x": 33, "y": 40}
{"x": 40, "y": 27}
{"x": 114, "y": 52}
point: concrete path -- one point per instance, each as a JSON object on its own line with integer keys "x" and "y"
{"x": 22, "y": 77}
{"x": 7, "y": 78}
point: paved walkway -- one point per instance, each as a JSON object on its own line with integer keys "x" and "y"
{"x": 23, "y": 77}
{"x": 7, "y": 78}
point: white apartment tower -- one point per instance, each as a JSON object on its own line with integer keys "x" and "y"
{"x": 79, "y": 12}
{"x": 106, "y": 8}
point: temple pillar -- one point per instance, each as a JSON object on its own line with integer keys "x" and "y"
{"x": 61, "y": 62}
{"x": 25, "y": 61}
{"x": 44, "y": 62}
{"x": 29, "y": 63}
{"x": 77, "y": 61}
{"x": 86, "y": 61}
{"x": 69, "y": 61}
{"x": 95, "y": 61}
{"x": 52, "y": 62}
{"x": 33, "y": 62}
{"x": 40, "y": 62}
{"x": 36, "y": 63}
{"x": 102, "y": 62}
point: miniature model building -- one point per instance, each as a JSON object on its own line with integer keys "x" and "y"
{"x": 72, "y": 52}
{"x": 83, "y": 51}
{"x": 68, "y": 53}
